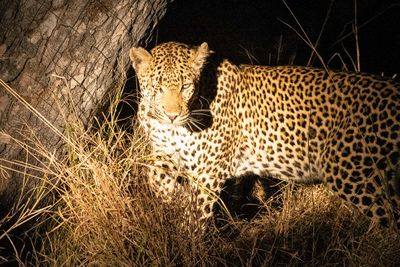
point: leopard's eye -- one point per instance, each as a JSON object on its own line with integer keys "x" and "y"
{"x": 186, "y": 86}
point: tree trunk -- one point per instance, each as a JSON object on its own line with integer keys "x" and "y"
{"x": 61, "y": 56}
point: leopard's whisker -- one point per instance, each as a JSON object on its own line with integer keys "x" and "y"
{"x": 195, "y": 125}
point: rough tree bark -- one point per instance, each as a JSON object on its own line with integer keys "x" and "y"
{"x": 61, "y": 55}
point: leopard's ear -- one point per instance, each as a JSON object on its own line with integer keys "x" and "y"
{"x": 140, "y": 58}
{"x": 200, "y": 56}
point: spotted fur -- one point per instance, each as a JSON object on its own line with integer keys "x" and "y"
{"x": 209, "y": 120}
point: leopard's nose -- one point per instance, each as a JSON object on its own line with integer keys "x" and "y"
{"x": 172, "y": 113}
{"x": 172, "y": 117}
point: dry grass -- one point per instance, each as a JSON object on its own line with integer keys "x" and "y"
{"x": 107, "y": 214}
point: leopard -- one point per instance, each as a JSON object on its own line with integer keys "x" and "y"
{"x": 209, "y": 120}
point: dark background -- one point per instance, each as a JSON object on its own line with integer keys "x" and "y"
{"x": 232, "y": 27}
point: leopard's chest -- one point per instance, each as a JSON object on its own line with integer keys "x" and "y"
{"x": 176, "y": 142}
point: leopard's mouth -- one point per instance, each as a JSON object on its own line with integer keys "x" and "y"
{"x": 163, "y": 118}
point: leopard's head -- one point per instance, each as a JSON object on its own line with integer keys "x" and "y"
{"x": 168, "y": 76}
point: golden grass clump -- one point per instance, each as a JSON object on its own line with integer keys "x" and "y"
{"x": 106, "y": 214}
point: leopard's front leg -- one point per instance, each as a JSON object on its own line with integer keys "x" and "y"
{"x": 205, "y": 192}
{"x": 165, "y": 178}
{"x": 196, "y": 194}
